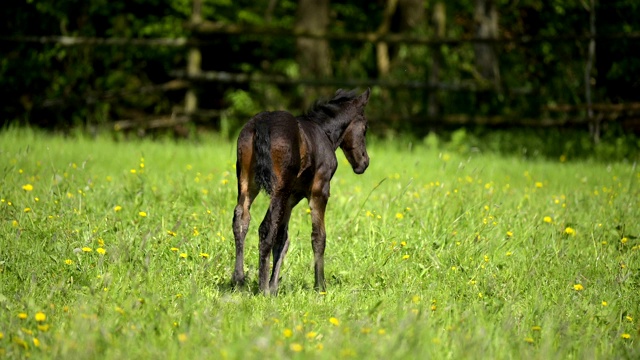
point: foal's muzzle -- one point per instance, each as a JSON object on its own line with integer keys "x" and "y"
{"x": 362, "y": 165}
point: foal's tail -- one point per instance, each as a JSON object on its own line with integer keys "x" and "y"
{"x": 262, "y": 148}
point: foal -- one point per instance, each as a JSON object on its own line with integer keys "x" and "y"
{"x": 293, "y": 158}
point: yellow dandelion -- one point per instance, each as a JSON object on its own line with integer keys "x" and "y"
{"x": 36, "y": 342}
{"x": 295, "y": 347}
{"x": 529, "y": 340}
{"x": 1, "y": 336}
{"x": 382, "y": 331}
{"x": 399, "y": 216}
{"x": 624, "y": 240}
{"x": 133, "y": 171}
{"x": 15, "y": 223}
{"x": 629, "y": 318}
{"x": 101, "y": 251}
{"x": 403, "y": 243}
{"x": 626, "y": 336}
{"x": 182, "y": 337}
{"x": 27, "y": 187}
{"x": 434, "y": 307}
{"x": 27, "y": 209}
{"x": 536, "y": 328}
{"x": 22, "y": 315}
{"x": 117, "y": 208}
{"x": 569, "y": 231}
{"x": 183, "y": 255}
{"x": 171, "y": 233}
{"x": 508, "y": 253}
{"x": 287, "y": 333}
{"x": 44, "y": 327}
{"x": 578, "y": 287}
{"x": 547, "y": 219}
{"x": 204, "y": 255}
{"x": 20, "y": 342}
{"x": 538, "y": 184}
{"x": 142, "y": 214}
{"x": 604, "y": 303}
{"x": 405, "y": 257}
{"x": 68, "y": 261}
{"x": 509, "y": 234}
{"x": 87, "y": 249}
{"x": 40, "y": 316}
{"x": 311, "y": 335}
{"x": 334, "y": 321}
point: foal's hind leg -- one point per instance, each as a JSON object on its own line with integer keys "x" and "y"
{"x": 247, "y": 192}
{"x": 281, "y": 244}
{"x": 279, "y": 250}
{"x": 268, "y": 232}
{"x": 241, "y": 219}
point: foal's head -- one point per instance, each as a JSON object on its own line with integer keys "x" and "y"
{"x": 353, "y": 143}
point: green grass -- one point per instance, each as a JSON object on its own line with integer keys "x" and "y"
{"x": 430, "y": 254}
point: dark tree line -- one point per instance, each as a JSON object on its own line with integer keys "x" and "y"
{"x": 56, "y": 85}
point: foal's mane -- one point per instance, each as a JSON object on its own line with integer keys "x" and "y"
{"x": 324, "y": 109}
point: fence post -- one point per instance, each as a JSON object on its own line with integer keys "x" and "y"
{"x": 594, "y": 124}
{"x": 439, "y": 21}
{"x": 194, "y": 60}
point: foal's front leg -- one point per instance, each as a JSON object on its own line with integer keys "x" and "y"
{"x": 318, "y": 205}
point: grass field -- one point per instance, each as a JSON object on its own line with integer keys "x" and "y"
{"x": 118, "y": 250}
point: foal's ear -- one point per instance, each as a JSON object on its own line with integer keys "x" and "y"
{"x": 364, "y": 98}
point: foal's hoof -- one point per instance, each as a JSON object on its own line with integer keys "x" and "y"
{"x": 238, "y": 281}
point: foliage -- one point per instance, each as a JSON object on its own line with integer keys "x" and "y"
{"x": 125, "y": 249}
{"x": 60, "y": 86}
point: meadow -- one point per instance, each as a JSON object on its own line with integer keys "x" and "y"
{"x": 124, "y": 249}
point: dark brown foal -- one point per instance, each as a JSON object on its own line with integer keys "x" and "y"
{"x": 292, "y": 158}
